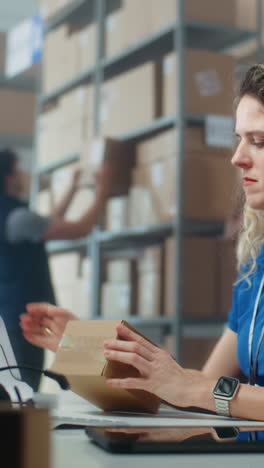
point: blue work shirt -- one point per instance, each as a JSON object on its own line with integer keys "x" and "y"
{"x": 240, "y": 317}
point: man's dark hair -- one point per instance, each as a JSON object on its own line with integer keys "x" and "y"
{"x": 8, "y": 160}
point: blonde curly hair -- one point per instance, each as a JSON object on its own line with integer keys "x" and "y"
{"x": 251, "y": 236}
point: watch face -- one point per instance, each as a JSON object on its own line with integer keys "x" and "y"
{"x": 226, "y": 386}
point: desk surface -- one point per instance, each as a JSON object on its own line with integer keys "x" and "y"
{"x": 72, "y": 448}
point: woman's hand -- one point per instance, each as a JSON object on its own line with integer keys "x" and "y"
{"x": 43, "y": 324}
{"x": 159, "y": 372}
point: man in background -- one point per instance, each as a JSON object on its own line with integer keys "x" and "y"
{"x": 24, "y": 270}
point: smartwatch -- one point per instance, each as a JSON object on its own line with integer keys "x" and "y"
{"x": 225, "y": 390}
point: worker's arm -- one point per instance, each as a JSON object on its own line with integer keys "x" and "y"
{"x": 61, "y": 207}
{"x": 58, "y": 228}
{"x": 25, "y": 225}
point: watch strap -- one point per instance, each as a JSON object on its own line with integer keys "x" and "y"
{"x": 222, "y": 406}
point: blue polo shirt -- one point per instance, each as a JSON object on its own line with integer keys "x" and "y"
{"x": 240, "y": 316}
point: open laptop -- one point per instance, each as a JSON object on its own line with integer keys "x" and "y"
{"x": 11, "y": 378}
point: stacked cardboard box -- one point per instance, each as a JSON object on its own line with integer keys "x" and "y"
{"x": 120, "y": 156}
{"x": 71, "y": 276}
{"x": 118, "y": 293}
{"x": 207, "y": 285}
{"x": 208, "y": 89}
{"x": 153, "y": 194}
{"x": 195, "y": 351}
{"x": 150, "y": 282}
{"x": 49, "y": 8}
{"x": 18, "y": 111}
{"x": 117, "y": 214}
{"x": 67, "y": 52}
{"x": 209, "y": 83}
{"x": 125, "y": 26}
{"x": 64, "y": 126}
{"x": 130, "y": 100}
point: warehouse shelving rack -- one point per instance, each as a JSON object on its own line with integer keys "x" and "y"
{"x": 176, "y": 36}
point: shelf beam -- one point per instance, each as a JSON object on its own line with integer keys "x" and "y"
{"x": 58, "y": 164}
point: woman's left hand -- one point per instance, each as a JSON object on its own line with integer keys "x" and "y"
{"x": 159, "y": 373}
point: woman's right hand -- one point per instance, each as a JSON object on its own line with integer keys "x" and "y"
{"x": 43, "y": 324}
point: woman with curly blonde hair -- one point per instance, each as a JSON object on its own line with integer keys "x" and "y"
{"x": 239, "y": 353}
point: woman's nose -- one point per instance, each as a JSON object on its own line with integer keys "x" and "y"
{"x": 241, "y": 158}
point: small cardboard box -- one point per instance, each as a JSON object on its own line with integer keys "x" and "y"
{"x": 80, "y": 357}
{"x": 25, "y": 433}
{"x": 130, "y": 100}
{"x": 120, "y": 156}
{"x": 208, "y": 84}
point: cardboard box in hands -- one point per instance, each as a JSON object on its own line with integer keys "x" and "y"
{"x": 80, "y": 357}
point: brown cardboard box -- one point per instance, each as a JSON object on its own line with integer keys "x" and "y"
{"x": 200, "y": 288}
{"x": 61, "y": 58}
{"x": 19, "y": 115}
{"x": 119, "y": 154}
{"x": 206, "y": 11}
{"x": 209, "y": 80}
{"x": 164, "y": 145}
{"x": 76, "y": 105}
{"x": 207, "y": 286}
{"x": 64, "y": 267}
{"x": 48, "y": 8}
{"x": 205, "y": 194}
{"x": 116, "y": 214}
{"x": 150, "y": 284}
{"x": 127, "y": 25}
{"x": 136, "y": 20}
{"x": 86, "y": 38}
{"x": 195, "y": 350}
{"x": 150, "y": 260}
{"x": 52, "y": 7}
{"x": 26, "y": 434}
{"x": 80, "y": 357}
{"x": 130, "y": 100}
{"x": 120, "y": 270}
{"x": 149, "y": 294}
{"x": 53, "y": 58}
{"x": 246, "y": 14}
{"x": 117, "y": 300}
{"x": 227, "y": 273}
{"x": 158, "y": 196}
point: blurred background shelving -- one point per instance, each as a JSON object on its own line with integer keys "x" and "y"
{"x": 149, "y": 76}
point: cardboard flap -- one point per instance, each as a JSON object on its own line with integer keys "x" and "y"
{"x": 81, "y": 350}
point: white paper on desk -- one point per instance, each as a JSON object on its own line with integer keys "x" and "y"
{"x": 11, "y": 378}
{"x": 164, "y": 418}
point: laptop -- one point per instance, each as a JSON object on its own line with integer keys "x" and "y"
{"x": 11, "y": 378}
